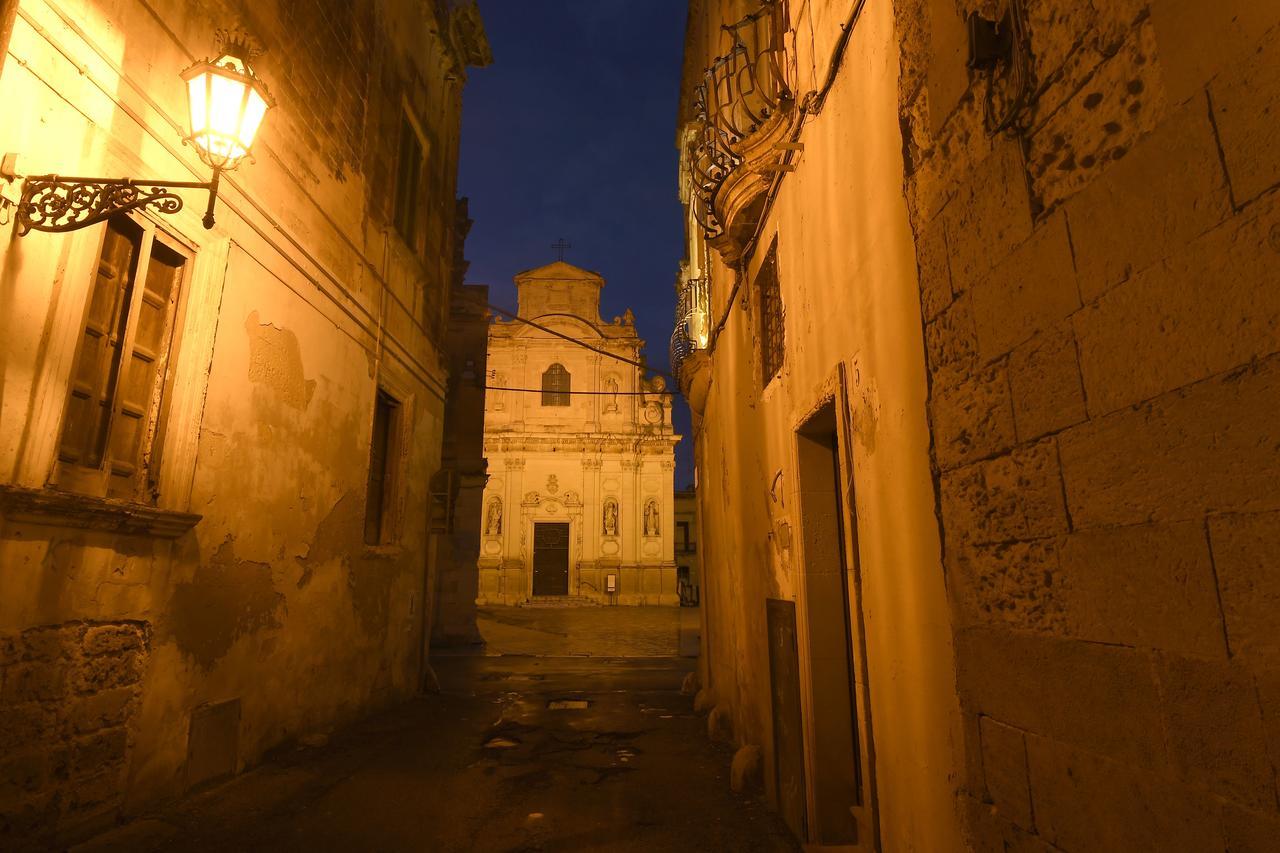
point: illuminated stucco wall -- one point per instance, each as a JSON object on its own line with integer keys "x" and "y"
{"x": 847, "y": 279}
{"x": 139, "y": 656}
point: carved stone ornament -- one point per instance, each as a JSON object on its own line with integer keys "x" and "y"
{"x": 652, "y": 525}
{"x": 532, "y": 499}
{"x": 553, "y": 485}
{"x": 572, "y": 498}
{"x": 610, "y": 520}
{"x": 493, "y": 518}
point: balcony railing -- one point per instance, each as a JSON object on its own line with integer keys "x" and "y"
{"x": 693, "y": 314}
{"x": 738, "y": 107}
{"x": 745, "y": 87}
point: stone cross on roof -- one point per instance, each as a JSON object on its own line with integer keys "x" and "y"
{"x": 560, "y": 245}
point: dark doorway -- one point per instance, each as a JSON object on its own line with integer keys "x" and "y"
{"x": 788, "y": 726}
{"x": 843, "y": 811}
{"x": 551, "y": 558}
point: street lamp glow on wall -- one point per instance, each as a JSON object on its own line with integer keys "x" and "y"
{"x": 226, "y": 103}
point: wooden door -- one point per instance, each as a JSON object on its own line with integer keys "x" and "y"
{"x": 551, "y": 558}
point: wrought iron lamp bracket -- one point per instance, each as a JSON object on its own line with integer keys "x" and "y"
{"x": 58, "y": 204}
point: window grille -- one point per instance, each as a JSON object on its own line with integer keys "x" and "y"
{"x": 108, "y": 439}
{"x": 772, "y": 318}
{"x": 555, "y": 386}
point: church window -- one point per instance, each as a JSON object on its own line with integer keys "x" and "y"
{"x": 772, "y": 317}
{"x": 555, "y": 386}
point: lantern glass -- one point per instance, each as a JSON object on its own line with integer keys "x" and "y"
{"x": 227, "y": 104}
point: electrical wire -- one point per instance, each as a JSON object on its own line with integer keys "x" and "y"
{"x": 595, "y": 393}
{"x": 504, "y": 312}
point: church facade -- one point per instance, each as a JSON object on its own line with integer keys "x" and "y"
{"x": 579, "y": 504}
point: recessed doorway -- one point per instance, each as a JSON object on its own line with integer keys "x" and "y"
{"x": 841, "y": 788}
{"x": 551, "y": 558}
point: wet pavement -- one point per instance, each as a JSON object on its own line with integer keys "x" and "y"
{"x": 516, "y": 753}
{"x": 591, "y": 631}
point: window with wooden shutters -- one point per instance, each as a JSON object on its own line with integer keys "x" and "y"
{"x": 408, "y": 181}
{"x": 555, "y": 386}
{"x": 772, "y": 318}
{"x": 384, "y": 452}
{"x": 117, "y": 384}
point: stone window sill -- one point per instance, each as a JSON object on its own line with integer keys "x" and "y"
{"x": 67, "y": 509}
{"x": 389, "y": 551}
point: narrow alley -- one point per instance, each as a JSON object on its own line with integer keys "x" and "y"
{"x": 640, "y": 425}
{"x": 539, "y": 748}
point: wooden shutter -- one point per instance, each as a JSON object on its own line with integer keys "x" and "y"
{"x": 89, "y": 404}
{"x": 142, "y": 373}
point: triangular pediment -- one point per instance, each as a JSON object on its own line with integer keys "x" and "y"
{"x": 559, "y": 271}
{"x": 560, "y": 288}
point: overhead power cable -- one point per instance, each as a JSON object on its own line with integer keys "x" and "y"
{"x": 504, "y": 312}
{"x": 597, "y": 393}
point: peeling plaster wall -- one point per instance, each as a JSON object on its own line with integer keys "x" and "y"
{"x": 846, "y": 268}
{"x": 300, "y": 303}
{"x": 1103, "y": 330}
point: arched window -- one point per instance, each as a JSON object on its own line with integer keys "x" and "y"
{"x": 555, "y": 386}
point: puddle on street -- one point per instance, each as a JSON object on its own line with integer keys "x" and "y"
{"x": 568, "y": 704}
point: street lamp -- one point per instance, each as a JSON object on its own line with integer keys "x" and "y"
{"x": 226, "y": 103}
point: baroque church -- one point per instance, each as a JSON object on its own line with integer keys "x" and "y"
{"x": 579, "y": 502}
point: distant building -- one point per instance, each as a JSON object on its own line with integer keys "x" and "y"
{"x": 581, "y": 451}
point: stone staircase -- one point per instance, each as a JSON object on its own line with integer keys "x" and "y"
{"x": 561, "y": 601}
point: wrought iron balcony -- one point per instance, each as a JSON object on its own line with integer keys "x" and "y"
{"x": 681, "y": 348}
{"x": 693, "y": 314}
{"x": 743, "y": 108}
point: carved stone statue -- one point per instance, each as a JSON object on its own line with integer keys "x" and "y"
{"x": 610, "y": 518}
{"x": 493, "y": 520}
{"x": 611, "y": 385}
{"x": 651, "y": 518}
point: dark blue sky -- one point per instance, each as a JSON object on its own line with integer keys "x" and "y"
{"x": 571, "y": 133}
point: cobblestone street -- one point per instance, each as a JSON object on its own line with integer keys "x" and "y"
{"x": 502, "y": 759}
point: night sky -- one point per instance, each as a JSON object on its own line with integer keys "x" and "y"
{"x": 571, "y": 133}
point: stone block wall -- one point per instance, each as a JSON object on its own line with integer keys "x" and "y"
{"x": 1102, "y": 328}
{"x": 68, "y": 694}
